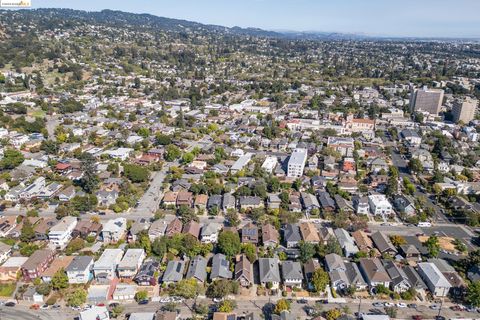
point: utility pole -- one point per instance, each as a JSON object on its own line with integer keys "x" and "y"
{"x": 359, "y": 308}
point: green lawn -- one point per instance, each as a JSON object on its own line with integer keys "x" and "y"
{"x": 37, "y": 113}
{"x": 7, "y": 289}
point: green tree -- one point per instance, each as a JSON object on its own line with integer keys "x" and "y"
{"x": 44, "y": 288}
{"x": 250, "y": 251}
{"x": 220, "y": 288}
{"x": 162, "y": 139}
{"x": 473, "y": 294}
{"x": 136, "y": 173}
{"x": 27, "y": 232}
{"x": 282, "y": 305}
{"x": 187, "y": 288}
{"x": 333, "y": 314}
{"x": 60, "y": 280}
{"x": 11, "y": 159}
{"x": 188, "y": 157}
{"x": 307, "y": 251}
{"x": 320, "y": 280}
{"x": 141, "y": 295}
{"x": 227, "y": 306}
{"x": 89, "y": 181}
{"x": 433, "y": 246}
{"x": 76, "y": 298}
{"x": 172, "y": 153}
{"x": 229, "y": 243}
{"x": 415, "y": 165}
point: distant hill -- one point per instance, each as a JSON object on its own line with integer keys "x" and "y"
{"x": 121, "y": 19}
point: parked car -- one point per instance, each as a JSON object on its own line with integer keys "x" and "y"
{"x": 401, "y": 305}
{"x": 416, "y": 317}
{"x": 10, "y": 304}
{"x": 34, "y": 307}
{"x": 302, "y": 301}
{"x": 389, "y": 304}
{"x": 435, "y": 307}
{"x": 145, "y": 301}
{"x": 377, "y": 304}
{"x": 45, "y": 307}
{"x": 412, "y": 305}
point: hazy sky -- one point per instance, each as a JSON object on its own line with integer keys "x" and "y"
{"x": 436, "y": 18}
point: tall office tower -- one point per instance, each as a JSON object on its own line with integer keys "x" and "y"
{"x": 464, "y": 110}
{"x": 426, "y": 100}
{"x": 296, "y": 163}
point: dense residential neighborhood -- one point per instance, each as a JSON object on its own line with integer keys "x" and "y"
{"x": 168, "y": 176}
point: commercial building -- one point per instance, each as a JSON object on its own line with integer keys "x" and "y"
{"x": 464, "y": 110}
{"x": 426, "y": 100}
{"x": 296, "y": 163}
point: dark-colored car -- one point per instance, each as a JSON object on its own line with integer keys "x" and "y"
{"x": 143, "y": 301}
{"x": 10, "y": 304}
{"x": 302, "y": 301}
{"x": 412, "y": 305}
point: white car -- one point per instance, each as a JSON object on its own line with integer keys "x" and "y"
{"x": 401, "y": 305}
{"x": 389, "y": 304}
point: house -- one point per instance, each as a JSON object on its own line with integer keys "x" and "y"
{"x": 309, "y": 232}
{"x": 146, "y": 274}
{"x": 157, "y": 229}
{"x": 346, "y": 242}
{"x": 193, "y": 228}
{"x": 174, "y": 227}
{"x": 377, "y": 164}
{"x": 104, "y": 269}
{"x": 243, "y": 271}
{"x": 291, "y": 235}
{"x": 250, "y": 233}
{"x": 220, "y": 267}
{"x": 59, "y": 263}
{"x": 120, "y": 153}
{"x": 137, "y": 228}
{"x": 269, "y": 272}
{"x": 362, "y": 240}
{"x": 174, "y": 272}
{"x": 142, "y": 316}
{"x": 107, "y": 198}
{"x": 130, "y": 263}
{"x": 250, "y": 202}
{"x": 374, "y": 273}
{"x": 269, "y": 236}
{"x": 411, "y": 136}
{"x": 274, "y": 202}
{"x": 85, "y": 228}
{"x": 399, "y": 279}
{"x": 228, "y": 202}
{"x": 79, "y": 270}
{"x": 224, "y": 316}
{"x": 379, "y": 205}
{"x": 113, "y": 230}
{"x": 209, "y": 233}
{"x": 361, "y": 205}
{"x": 292, "y": 274}
{"x": 95, "y": 313}
{"x": 5, "y": 252}
{"x": 170, "y": 199}
{"x": 61, "y": 233}
{"x": 67, "y": 194}
{"x": 185, "y": 198}
{"x": 326, "y": 202}
{"x": 383, "y": 243}
{"x": 404, "y": 204}
{"x": 201, "y": 201}
{"x": 436, "y": 282}
{"x": 7, "y": 224}
{"x": 197, "y": 269}
{"x": 11, "y": 268}
{"x": 343, "y": 205}
{"x": 124, "y": 292}
{"x": 37, "y": 263}
{"x": 214, "y": 202}
{"x": 309, "y": 201}
{"x": 414, "y": 278}
{"x": 309, "y": 268}
{"x": 410, "y": 252}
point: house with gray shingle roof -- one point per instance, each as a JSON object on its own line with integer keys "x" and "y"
{"x": 220, "y": 267}
{"x": 292, "y": 274}
{"x": 269, "y": 272}
{"x": 197, "y": 269}
{"x": 174, "y": 272}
